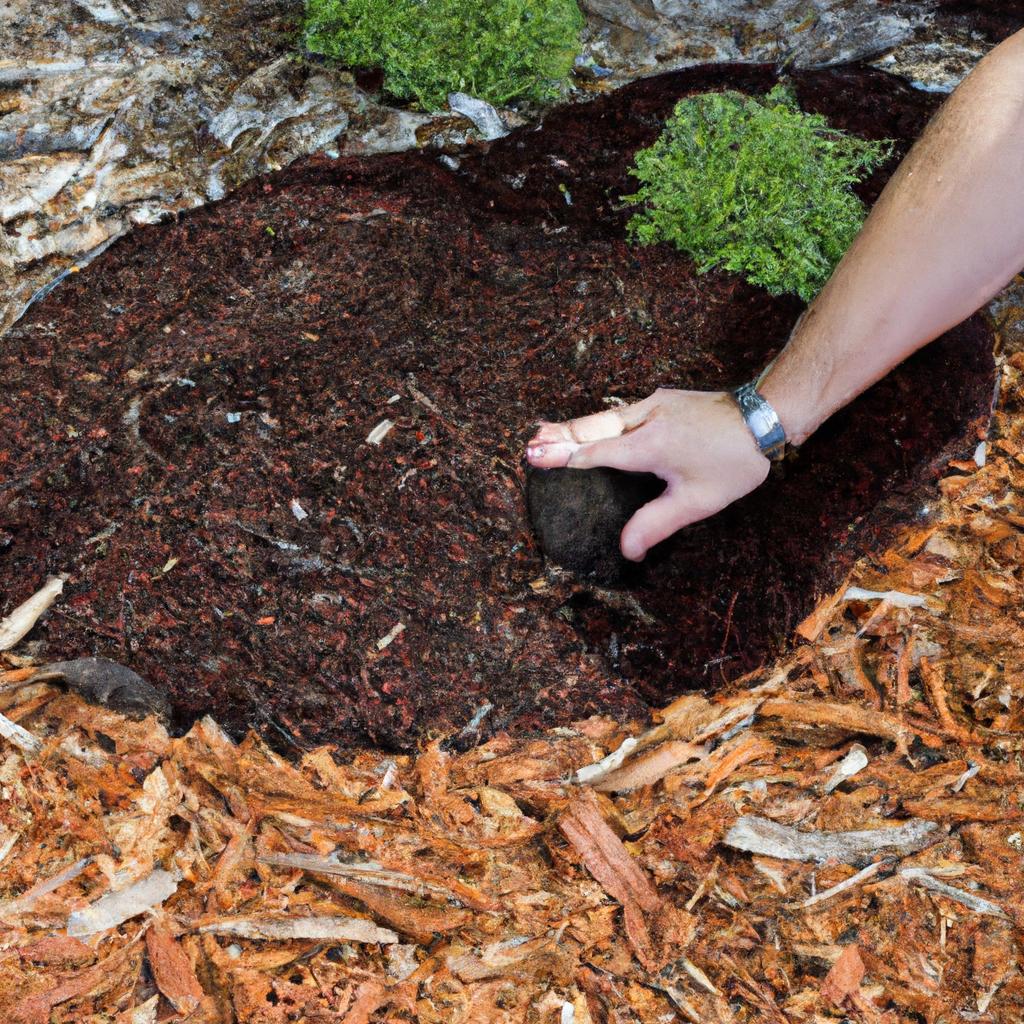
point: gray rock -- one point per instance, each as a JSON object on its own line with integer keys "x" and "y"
{"x": 485, "y": 118}
{"x": 938, "y": 63}
{"x": 578, "y": 516}
{"x": 109, "y": 684}
{"x": 636, "y": 37}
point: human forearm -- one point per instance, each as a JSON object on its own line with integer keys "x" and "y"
{"x": 945, "y": 236}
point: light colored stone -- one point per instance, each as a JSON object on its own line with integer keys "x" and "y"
{"x": 637, "y": 37}
{"x": 938, "y": 63}
{"x": 485, "y": 118}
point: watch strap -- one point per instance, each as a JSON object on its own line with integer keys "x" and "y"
{"x": 762, "y": 421}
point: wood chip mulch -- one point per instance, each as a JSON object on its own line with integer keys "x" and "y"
{"x": 838, "y": 837}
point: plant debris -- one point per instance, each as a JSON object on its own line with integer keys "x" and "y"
{"x": 24, "y": 617}
{"x": 766, "y": 854}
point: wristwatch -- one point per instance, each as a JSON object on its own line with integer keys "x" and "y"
{"x": 762, "y": 421}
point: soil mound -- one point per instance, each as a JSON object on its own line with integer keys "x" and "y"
{"x": 275, "y": 443}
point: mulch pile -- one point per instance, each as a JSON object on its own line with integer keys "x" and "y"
{"x": 835, "y": 837}
{"x": 276, "y": 444}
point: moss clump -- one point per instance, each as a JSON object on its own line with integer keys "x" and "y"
{"x": 756, "y": 186}
{"x": 498, "y": 50}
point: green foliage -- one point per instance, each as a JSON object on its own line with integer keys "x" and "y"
{"x": 498, "y": 50}
{"x": 756, "y": 186}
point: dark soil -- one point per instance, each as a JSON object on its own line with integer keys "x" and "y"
{"x": 578, "y": 516}
{"x": 995, "y": 20}
{"x": 164, "y": 410}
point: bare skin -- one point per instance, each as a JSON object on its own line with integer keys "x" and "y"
{"x": 944, "y": 237}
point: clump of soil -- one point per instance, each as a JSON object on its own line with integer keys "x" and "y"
{"x": 579, "y": 514}
{"x": 276, "y": 443}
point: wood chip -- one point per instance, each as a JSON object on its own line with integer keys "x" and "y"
{"x": 19, "y": 736}
{"x": 924, "y": 878}
{"x": 117, "y": 907}
{"x": 609, "y": 862}
{"x": 172, "y": 970}
{"x": 27, "y": 614}
{"x": 896, "y": 598}
{"x": 770, "y": 839}
{"x": 327, "y": 929}
{"x": 379, "y": 432}
{"x": 651, "y": 766}
{"x": 845, "y": 977}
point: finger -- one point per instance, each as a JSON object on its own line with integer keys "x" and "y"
{"x": 596, "y": 427}
{"x": 550, "y": 455}
{"x": 658, "y": 519}
{"x": 627, "y": 452}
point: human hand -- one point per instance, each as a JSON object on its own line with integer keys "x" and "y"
{"x": 696, "y": 441}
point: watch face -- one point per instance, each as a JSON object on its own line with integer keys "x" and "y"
{"x": 762, "y": 420}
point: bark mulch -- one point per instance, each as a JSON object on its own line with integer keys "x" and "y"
{"x": 275, "y": 444}
{"x": 837, "y": 836}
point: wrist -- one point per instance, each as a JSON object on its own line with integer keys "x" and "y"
{"x": 796, "y": 414}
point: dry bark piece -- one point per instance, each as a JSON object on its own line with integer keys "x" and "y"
{"x": 610, "y": 863}
{"x": 649, "y": 767}
{"x": 26, "y": 615}
{"x": 980, "y": 905}
{"x": 27, "y": 900}
{"x": 855, "y": 760}
{"x": 845, "y": 977}
{"x": 172, "y": 969}
{"x": 105, "y": 682}
{"x": 117, "y": 907}
{"x": 590, "y": 774}
{"x": 19, "y": 736}
{"x": 517, "y": 957}
{"x": 334, "y": 928}
{"x": 770, "y": 839}
{"x": 57, "y": 950}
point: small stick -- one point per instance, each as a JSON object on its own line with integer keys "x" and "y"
{"x": 16, "y": 675}
{"x": 728, "y": 623}
{"x": 21, "y": 738}
{"x": 849, "y": 883}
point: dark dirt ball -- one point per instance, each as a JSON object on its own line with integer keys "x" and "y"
{"x": 276, "y": 443}
{"x": 578, "y": 516}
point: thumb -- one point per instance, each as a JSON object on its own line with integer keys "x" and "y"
{"x": 658, "y": 519}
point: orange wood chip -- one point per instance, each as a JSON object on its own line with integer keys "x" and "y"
{"x": 845, "y": 977}
{"x": 172, "y": 969}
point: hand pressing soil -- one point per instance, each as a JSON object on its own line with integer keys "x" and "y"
{"x": 578, "y": 515}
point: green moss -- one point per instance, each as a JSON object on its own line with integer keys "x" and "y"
{"x": 498, "y": 50}
{"x": 756, "y": 186}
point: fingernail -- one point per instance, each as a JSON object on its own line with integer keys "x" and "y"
{"x": 535, "y": 452}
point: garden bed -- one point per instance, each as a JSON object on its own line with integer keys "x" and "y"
{"x": 185, "y": 425}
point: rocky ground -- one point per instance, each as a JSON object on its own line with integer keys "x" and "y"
{"x": 115, "y": 113}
